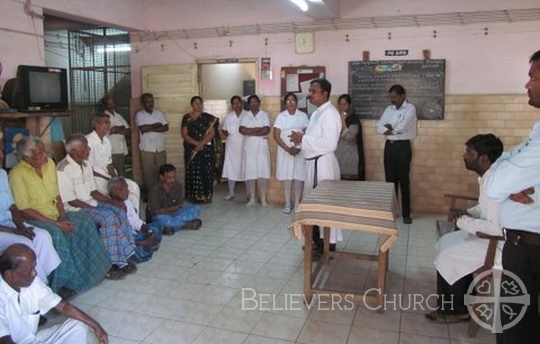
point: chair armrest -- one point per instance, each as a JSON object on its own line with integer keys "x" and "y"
{"x": 483, "y": 235}
{"x": 464, "y": 197}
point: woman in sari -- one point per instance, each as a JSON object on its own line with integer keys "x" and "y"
{"x": 350, "y": 150}
{"x": 198, "y": 131}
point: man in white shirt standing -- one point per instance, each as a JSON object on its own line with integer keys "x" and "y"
{"x": 318, "y": 145}
{"x": 398, "y": 125}
{"x": 152, "y": 127}
{"x": 119, "y": 129}
{"x": 23, "y": 298}
{"x": 515, "y": 182}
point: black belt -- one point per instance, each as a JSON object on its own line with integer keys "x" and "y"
{"x": 518, "y": 237}
{"x": 397, "y": 141}
{"x": 316, "y": 158}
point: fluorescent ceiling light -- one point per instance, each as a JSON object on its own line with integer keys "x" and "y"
{"x": 300, "y": 3}
{"x": 316, "y": 1}
{"x": 117, "y": 48}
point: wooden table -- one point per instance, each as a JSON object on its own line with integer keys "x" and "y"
{"x": 351, "y": 205}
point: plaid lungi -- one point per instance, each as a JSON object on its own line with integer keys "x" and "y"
{"x": 115, "y": 231}
{"x": 84, "y": 259}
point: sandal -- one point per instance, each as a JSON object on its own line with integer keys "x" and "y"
{"x": 130, "y": 268}
{"x": 168, "y": 231}
{"x": 66, "y": 293}
{"x": 115, "y": 274}
{"x": 441, "y": 318}
{"x": 193, "y": 224}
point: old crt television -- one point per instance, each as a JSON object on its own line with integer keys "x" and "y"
{"x": 40, "y": 89}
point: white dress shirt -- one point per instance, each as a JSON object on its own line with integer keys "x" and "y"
{"x": 151, "y": 141}
{"x": 100, "y": 153}
{"x": 118, "y": 141}
{"x": 515, "y": 171}
{"x": 403, "y": 121}
{"x": 19, "y": 312}
{"x": 75, "y": 182}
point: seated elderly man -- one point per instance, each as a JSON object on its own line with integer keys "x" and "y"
{"x": 13, "y": 230}
{"x": 166, "y": 204}
{"x": 35, "y": 191}
{"x": 147, "y": 236}
{"x": 460, "y": 253}
{"x": 101, "y": 158}
{"x": 23, "y": 298}
{"x": 79, "y": 193}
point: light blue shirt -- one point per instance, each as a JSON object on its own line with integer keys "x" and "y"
{"x": 6, "y": 200}
{"x": 517, "y": 170}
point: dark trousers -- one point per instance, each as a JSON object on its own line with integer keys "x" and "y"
{"x": 524, "y": 261}
{"x": 451, "y": 299}
{"x": 397, "y": 165}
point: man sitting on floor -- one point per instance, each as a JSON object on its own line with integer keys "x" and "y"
{"x": 166, "y": 203}
{"x": 23, "y": 298}
{"x": 147, "y": 236}
{"x": 79, "y": 193}
{"x": 460, "y": 253}
{"x": 101, "y": 158}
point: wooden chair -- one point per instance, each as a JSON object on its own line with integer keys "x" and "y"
{"x": 447, "y": 226}
{"x": 444, "y": 227}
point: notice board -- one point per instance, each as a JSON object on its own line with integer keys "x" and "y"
{"x": 296, "y": 80}
{"x": 423, "y": 80}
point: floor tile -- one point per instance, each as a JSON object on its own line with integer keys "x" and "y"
{"x": 278, "y": 326}
{"x": 174, "y": 332}
{"x": 372, "y": 336}
{"x": 236, "y": 319}
{"x": 192, "y": 290}
{"x": 322, "y": 332}
{"x": 218, "y": 336}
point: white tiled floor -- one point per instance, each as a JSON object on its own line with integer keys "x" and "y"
{"x": 190, "y": 291}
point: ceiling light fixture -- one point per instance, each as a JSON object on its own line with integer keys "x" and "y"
{"x": 300, "y": 3}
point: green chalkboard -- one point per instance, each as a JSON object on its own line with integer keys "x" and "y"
{"x": 424, "y": 81}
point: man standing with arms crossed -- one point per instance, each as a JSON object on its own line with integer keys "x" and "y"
{"x": 398, "y": 125}
{"x": 318, "y": 145}
{"x": 514, "y": 181}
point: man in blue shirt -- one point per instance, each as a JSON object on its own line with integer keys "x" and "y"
{"x": 514, "y": 180}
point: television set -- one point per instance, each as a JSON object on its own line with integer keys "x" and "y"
{"x": 40, "y": 88}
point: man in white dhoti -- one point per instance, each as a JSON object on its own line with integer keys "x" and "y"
{"x": 460, "y": 253}
{"x": 23, "y": 298}
{"x": 318, "y": 145}
{"x": 101, "y": 159}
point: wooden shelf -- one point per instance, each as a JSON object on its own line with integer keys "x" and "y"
{"x": 10, "y": 115}
{"x": 32, "y": 120}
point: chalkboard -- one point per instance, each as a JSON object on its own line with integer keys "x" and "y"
{"x": 423, "y": 80}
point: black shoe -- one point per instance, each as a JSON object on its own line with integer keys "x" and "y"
{"x": 42, "y": 320}
{"x": 407, "y": 220}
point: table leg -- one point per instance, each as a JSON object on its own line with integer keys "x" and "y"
{"x": 326, "y": 245}
{"x": 381, "y": 284}
{"x": 308, "y": 247}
